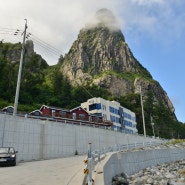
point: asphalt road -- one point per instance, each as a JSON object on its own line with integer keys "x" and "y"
{"x": 63, "y": 171}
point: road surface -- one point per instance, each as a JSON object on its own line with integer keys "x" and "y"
{"x": 63, "y": 171}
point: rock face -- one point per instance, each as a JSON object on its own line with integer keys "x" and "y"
{"x": 12, "y": 52}
{"x": 101, "y": 56}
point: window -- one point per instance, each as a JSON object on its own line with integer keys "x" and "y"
{"x": 116, "y": 111}
{"x": 37, "y": 113}
{"x": 94, "y": 106}
{"x": 74, "y": 115}
{"x": 126, "y": 115}
{"x": 63, "y": 114}
{"x": 98, "y": 114}
{"x": 81, "y": 116}
{"x": 111, "y": 109}
{"x": 127, "y": 123}
{"x": 103, "y": 107}
{"x": 112, "y": 118}
{"x": 11, "y": 151}
{"x": 117, "y": 120}
{"x": 133, "y": 118}
{"x": 10, "y": 109}
{"x": 105, "y": 116}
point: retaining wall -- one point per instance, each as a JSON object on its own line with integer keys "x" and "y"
{"x": 134, "y": 161}
{"x": 36, "y": 139}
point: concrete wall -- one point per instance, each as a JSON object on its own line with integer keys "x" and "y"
{"x": 132, "y": 162}
{"x": 41, "y": 139}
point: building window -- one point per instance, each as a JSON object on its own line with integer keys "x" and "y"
{"x": 116, "y": 111}
{"x": 37, "y": 113}
{"x": 10, "y": 109}
{"x": 133, "y": 118}
{"x": 126, "y": 115}
{"x": 128, "y": 123}
{"x": 98, "y": 114}
{"x": 94, "y": 106}
{"x": 104, "y": 116}
{"x": 111, "y": 109}
{"x": 117, "y": 120}
{"x": 63, "y": 114}
{"x": 104, "y": 107}
{"x": 74, "y": 115}
{"x": 112, "y": 118}
{"x": 82, "y": 116}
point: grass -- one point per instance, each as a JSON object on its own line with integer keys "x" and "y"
{"x": 176, "y": 141}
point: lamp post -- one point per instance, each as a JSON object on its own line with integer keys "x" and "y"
{"x": 144, "y": 130}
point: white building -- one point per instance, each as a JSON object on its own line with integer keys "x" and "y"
{"x": 122, "y": 118}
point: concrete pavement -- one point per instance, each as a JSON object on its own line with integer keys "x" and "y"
{"x": 63, "y": 171}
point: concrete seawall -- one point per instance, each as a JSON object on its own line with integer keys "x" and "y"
{"x": 131, "y": 162}
{"x": 37, "y": 139}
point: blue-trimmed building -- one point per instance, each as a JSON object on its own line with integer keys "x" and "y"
{"x": 121, "y": 117}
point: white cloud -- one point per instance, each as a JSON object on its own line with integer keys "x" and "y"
{"x": 147, "y": 2}
{"x": 58, "y": 22}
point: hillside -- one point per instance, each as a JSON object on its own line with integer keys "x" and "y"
{"x": 98, "y": 64}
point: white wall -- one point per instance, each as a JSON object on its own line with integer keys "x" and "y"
{"x": 39, "y": 139}
{"x": 133, "y": 162}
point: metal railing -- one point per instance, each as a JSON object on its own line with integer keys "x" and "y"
{"x": 97, "y": 155}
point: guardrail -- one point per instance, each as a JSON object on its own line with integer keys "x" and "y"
{"x": 97, "y": 155}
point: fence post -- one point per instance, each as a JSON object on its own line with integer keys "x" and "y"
{"x": 98, "y": 155}
{"x": 90, "y": 164}
{"x": 4, "y": 129}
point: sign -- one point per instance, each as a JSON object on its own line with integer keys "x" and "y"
{"x": 86, "y": 171}
{"x": 85, "y": 161}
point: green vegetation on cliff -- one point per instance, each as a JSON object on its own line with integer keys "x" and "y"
{"x": 43, "y": 84}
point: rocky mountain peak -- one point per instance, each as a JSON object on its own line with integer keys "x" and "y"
{"x": 101, "y": 56}
{"x": 99, "y": 49}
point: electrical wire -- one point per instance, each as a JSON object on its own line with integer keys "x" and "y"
{"x": 18, "y": 33}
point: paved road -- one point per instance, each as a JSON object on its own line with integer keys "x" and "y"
{"x": 64, "y": 171}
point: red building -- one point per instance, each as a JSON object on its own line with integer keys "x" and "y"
{"x": 78, "y": 114}
{"x": 51, "y": 111}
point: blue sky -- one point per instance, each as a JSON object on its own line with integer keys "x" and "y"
{"x": 153, "y": 29}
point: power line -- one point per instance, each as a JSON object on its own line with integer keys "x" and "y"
{"x": 35, "y": 39}
{"x": 44, "y": 43}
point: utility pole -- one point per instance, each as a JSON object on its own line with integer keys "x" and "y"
{"x": 152, "y": 123}
{"x": 90, "y": 164}
{"x": 20, "y": 71}
{"x": 144, "y": 130}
